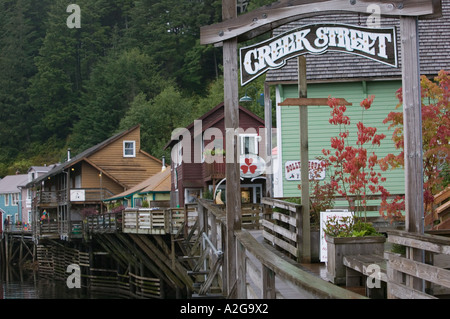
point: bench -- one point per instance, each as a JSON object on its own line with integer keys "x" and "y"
{"x": 359, "y": 268}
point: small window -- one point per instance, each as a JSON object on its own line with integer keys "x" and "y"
{"x": 249, "y": 144}
{"x": 129, "y": 149}
{"x": 15, "y": 199}
{"x": 138, "y": 202}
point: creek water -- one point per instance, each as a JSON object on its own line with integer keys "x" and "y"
{"x": 26, "y": 284}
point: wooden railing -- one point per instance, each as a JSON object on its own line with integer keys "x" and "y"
{"x": 212, "y": 223}
{"x": 284, "y": 227}
{"x": 153, "y": 221}
{"x": 104, "y": 223}
{"x": 406, "y": 274}
{"x": 439, "y": 218}
{"x": 60, "y": 196}
{"x": 214, "y": 170}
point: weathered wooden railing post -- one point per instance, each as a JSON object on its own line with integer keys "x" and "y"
{"x": 233, "y": 198}
{"x": 412, "y": 123}
{"x": 242, "y": 271}
{"x": 305, "y": 227}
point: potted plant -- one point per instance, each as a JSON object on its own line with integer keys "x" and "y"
{"x": 355, "y": 177}
{"x": 346, "y": 236}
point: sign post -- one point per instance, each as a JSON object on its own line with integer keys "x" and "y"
{"x": 231, "y": 106}
{"x": 269, "y": 17}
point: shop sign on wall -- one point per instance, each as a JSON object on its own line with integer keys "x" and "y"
{"x": 292, "y": 170}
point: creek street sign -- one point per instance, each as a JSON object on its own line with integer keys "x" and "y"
{"x": 377, "y": 44}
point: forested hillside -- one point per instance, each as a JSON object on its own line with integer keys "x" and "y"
{"x": 129, "y": 62}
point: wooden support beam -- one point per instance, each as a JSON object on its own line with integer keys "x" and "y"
{"x": 268, "y": 139}
{"x": 303, "y": 101}
{"x": 177, "y": 274}
{"x": 151, "y": 263}
{"x": 303, "y": 216}
{"x": 233, "y": 194}
{"x": 271, "y": 16}
{"x": 412, "y": 128}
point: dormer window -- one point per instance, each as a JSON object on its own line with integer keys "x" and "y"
{"x": 129, "y": 148}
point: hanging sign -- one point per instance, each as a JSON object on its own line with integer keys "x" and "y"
{"x": 251, "y": 166}
{"x": 377, "y": 44}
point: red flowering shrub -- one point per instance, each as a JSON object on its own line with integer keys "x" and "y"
{"x": 355, "y": 177}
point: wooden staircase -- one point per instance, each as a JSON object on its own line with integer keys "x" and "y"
{"x": 439, "y": 219}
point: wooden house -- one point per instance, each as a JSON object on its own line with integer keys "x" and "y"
{"x": 11, "y": 199}
{"x": 79, "y": 186}
{"x": 197, "y": 162}
{"x": 353, "y": 78}
{"x": 28, "y": 194}
{"x": 150, "y": 192}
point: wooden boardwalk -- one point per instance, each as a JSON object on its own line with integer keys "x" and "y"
{"x": 285, "y": 289}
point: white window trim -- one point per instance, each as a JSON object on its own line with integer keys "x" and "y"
{"x": 241, "y": 141}
{"x": 134, "y": 149}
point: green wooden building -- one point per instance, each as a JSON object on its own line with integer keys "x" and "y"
{"x": 353, "y": 78}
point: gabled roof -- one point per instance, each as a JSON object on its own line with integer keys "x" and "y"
{"x": 11, "y": 183}
{"x": 434, "y": 43}
{"x": 42, "y": 169}
{"x": 217, "y": 108}
{"x": 159, "y": 182}
{"x": 83, "y": 156}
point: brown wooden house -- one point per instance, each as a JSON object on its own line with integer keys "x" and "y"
{"x": 193, "y": 173}
{"x": 78, "y": 186}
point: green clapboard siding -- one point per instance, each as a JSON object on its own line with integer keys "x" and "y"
{"x": 320, "y": 130}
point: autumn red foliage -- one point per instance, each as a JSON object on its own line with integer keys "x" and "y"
{"x": 435, "y": 133}
{"x": 355, "y": 176}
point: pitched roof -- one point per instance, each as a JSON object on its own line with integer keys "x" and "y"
{"x": 11, "y": 183}
{"x": 434, "y": 43}
{"x": 222, "y": 115}
{"x": 79, "y": 157}
{"x": 159, "y": 182}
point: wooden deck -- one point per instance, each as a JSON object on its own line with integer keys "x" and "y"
{"x": 184, "y": 249}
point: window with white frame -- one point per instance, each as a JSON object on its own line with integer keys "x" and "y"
{"x": 248, "y": 144}
{"x": 15, "y": 199}
{"x": 129, "y": 148}
{"x": 6, "y": 199}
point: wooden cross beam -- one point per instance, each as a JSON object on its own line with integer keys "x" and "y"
{"x": 269, "y": 17}
{"x": 310, "y": 102}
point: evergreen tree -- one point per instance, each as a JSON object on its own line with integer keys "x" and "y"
{"x": 113, "y": 85}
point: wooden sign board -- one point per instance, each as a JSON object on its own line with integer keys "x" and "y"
{"x": 250, "y": 25}
{"x": 376, "y": 44}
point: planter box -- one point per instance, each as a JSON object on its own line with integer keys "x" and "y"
{"x": 338, "y": 247}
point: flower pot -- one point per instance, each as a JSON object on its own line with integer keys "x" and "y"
{"x": 338, "y": 247}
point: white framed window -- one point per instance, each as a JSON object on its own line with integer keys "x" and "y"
{"x": 15, "y": 199}
{"x": 6, "y": 199}
{"x": 248, "y": 144}
{"x": 129, "y": 148}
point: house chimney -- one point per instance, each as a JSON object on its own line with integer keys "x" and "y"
{"x": 68, "y": 154}
{"x": 163, "y": 164}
